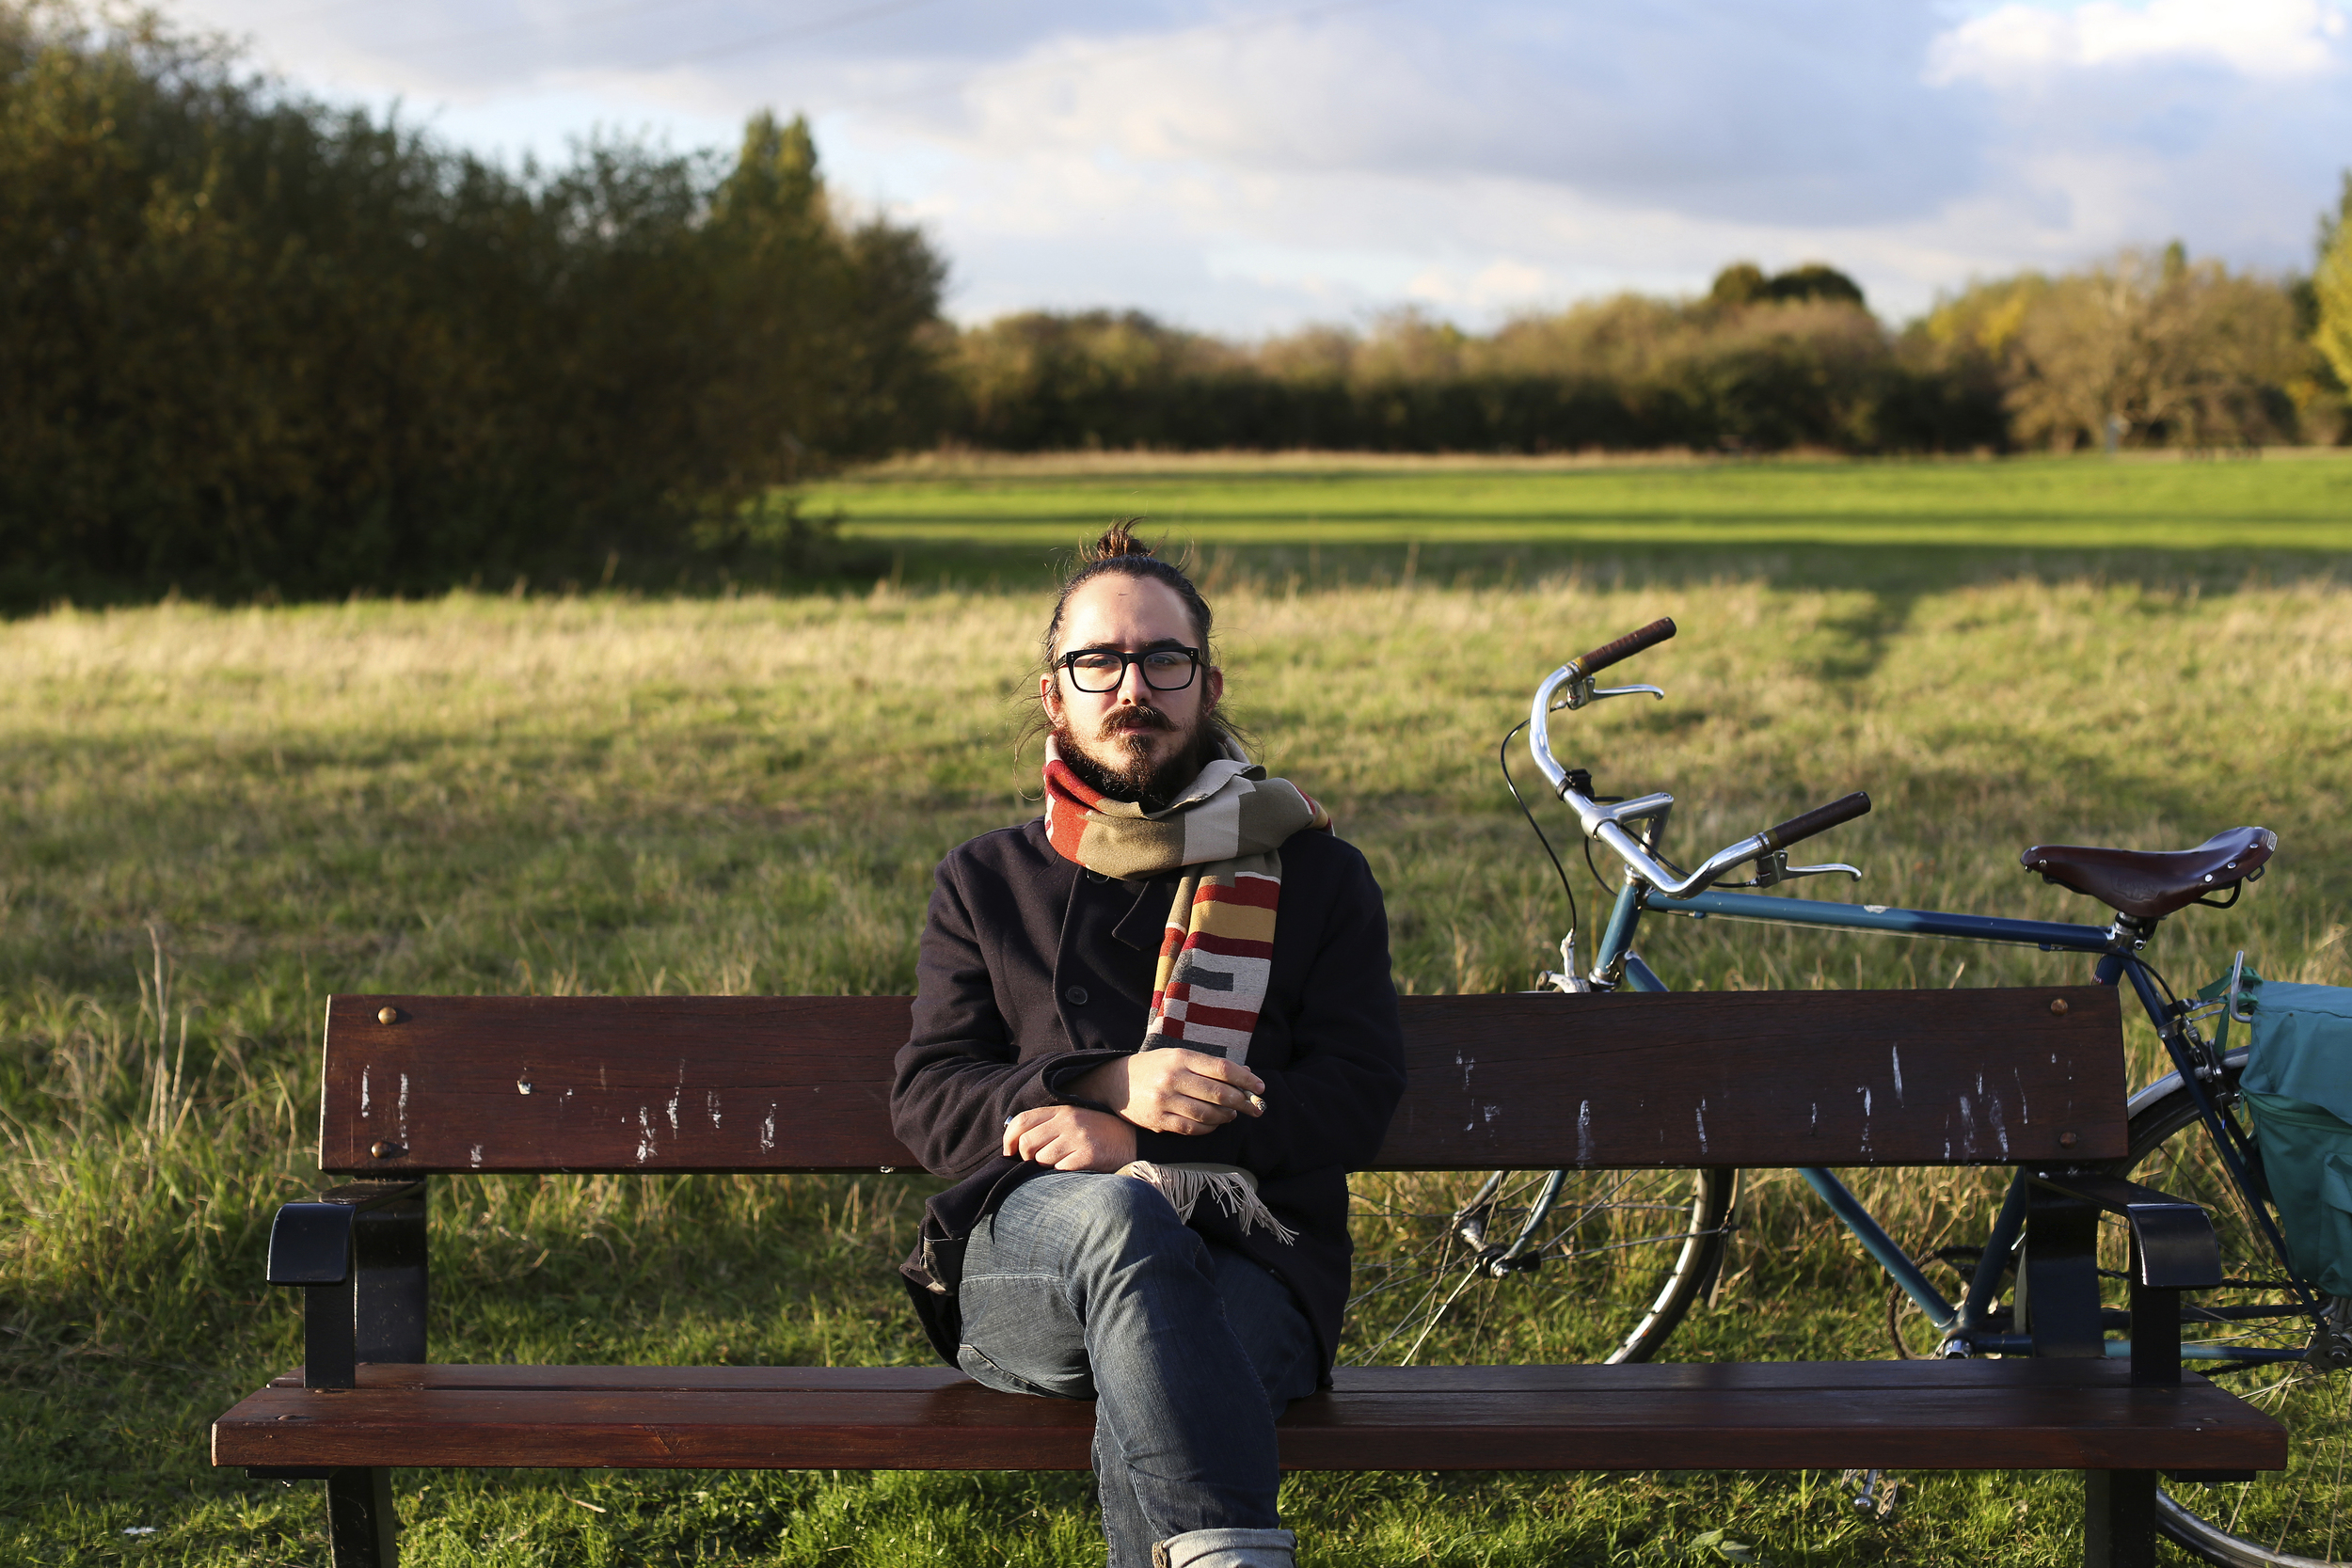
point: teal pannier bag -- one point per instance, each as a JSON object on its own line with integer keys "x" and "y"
{"x": 2298, "y": 1087}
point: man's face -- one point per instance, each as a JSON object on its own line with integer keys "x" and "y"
{"x": 1132, "y": 733}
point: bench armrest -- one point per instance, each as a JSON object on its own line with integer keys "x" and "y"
{"x": 2174, "y": 1245}
{"x": 358, "y": 1253}
{"x": 2173, "y": 1249}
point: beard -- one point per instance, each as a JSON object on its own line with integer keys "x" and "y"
{"x": 1120, "y": 766}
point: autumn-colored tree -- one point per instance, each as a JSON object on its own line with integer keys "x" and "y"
{"x": 2331, "y": 287}
{"x": 1630, "y": 372}
{"x": 2160, "y": 349}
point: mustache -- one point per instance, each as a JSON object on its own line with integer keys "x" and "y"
{"x": 1141, "y": 716}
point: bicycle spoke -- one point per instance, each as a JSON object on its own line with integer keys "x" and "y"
{"x": 2289, "y": 1516}
{"x": 1591, "y": 1265}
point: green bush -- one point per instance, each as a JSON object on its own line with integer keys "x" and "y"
{"x": 2176, "y": 353}
{"x": 1794, "y": 361}
{"x": 250, "y": 343}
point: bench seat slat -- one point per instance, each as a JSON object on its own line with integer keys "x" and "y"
{"x": 1889, "y": 1377}
{"x": 542, "y": 1083}
{"x": 1977, "y": 1414}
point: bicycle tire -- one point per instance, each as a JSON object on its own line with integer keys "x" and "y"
{"x": 1607, "y": 1263}
{"x": 2290, "y": 1519}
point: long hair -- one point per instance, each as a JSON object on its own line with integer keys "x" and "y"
{"x": 1119, "y": 552}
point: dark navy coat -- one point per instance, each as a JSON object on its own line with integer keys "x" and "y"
{"x": 1034, "y": 971}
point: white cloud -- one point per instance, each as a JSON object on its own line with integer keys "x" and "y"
{"x": 2256, "y": 39}
{"x": 1244, "y": 165}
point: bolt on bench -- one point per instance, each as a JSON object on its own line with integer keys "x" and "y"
{"x": 424, "y": 1086}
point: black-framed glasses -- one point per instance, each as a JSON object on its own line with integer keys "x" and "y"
{"x": 1165, "y": 668}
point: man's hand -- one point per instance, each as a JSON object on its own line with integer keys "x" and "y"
{"x": 1173, "y": 1090}
{"x": 1069, "y": 1138}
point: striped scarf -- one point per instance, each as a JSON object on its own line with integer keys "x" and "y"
{"x": 1224, "y": 830}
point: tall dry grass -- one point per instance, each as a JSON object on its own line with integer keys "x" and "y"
{"x": 210, "y": 819}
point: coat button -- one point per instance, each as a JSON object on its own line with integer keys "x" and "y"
{"x": 1075, "y": 996}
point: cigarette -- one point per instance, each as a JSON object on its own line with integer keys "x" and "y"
{"x": 1257, "y": 1103}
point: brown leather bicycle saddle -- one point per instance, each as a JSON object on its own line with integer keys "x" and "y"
{"x": 2150, "y": 883}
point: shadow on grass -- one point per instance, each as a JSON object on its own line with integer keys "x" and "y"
{"x": 1898, "y": 570}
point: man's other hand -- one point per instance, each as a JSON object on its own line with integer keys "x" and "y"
{"x": 1173, "y": 1090}
{"x": 1068, "y": 1138}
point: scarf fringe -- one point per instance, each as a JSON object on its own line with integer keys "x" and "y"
{"x": 1234, "y": 1190}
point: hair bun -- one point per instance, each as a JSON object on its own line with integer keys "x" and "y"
{"x": 1118, "y": 540}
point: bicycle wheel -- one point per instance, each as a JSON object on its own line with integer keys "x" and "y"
{"x": 2293, "y": 1517}
{"x": 1528, "y": 1266}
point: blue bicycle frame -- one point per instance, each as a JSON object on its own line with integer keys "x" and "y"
{"x": 1963, "y": 1324}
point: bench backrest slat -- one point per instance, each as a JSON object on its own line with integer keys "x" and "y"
{"x": 1530, "y": 1081}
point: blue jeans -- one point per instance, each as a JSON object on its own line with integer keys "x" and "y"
{"x": 1088, "y": 1287}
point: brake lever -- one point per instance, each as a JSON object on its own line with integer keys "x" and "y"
{"x": 1775, "y": 868}
{"x": 1581, "y": 692}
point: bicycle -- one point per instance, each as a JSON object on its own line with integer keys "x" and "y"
{"x": 1639, "y": 1248}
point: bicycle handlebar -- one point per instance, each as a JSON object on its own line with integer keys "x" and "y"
{"x": 1604, "y": 823}
{"x": 1821, "y": 819}
{"x": 1623, "y": 648}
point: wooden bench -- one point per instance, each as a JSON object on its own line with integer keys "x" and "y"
{"x": 423, "y": 1086}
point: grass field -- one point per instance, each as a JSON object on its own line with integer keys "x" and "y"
{"x": 213, "y": 818}
{"x": 1329, "y": 518}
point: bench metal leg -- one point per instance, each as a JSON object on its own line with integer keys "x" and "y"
{"x": 2119, "y": 1519}
{"x": 360, "y": 1524}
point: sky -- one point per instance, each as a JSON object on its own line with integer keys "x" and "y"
{"x": 1247, "y": 167}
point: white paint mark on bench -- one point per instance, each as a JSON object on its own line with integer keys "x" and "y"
{"x": 646, "y": 1149}
{"x": 1897, "y": 1051}
{"x": 474, "y": 1154}
{"x": 1865, "y": 1092}
{"x": 363, "y": 1094}
{"x": 1700, "y": 1115}
{"x": 673, "y": 1098}
{"x": 2001, "y": 1131}
{"x": 768, "y": 1130}
{"x": 710, "y": 1104}
{"x": 1466, "y": 1063}
{"x": 1967, "y": 1125}
{"x": 2025, "y": 1108}
{"x": 1492, "y": 1112}
{"x": 1585, "y": 1132}
{"x": 1813, "y": 1129}
{"x": 402, "y": 1118}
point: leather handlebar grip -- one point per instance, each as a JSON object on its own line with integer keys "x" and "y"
{"x": 1624, "y": 647}
{"x": 1821, "y": 819}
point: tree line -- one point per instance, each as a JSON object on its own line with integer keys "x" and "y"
{"x": 251, "y": 342}
{"x": 2146, "y": 349}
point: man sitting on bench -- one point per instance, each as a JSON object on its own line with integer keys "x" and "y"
{"x": 1153, "y": 1030}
